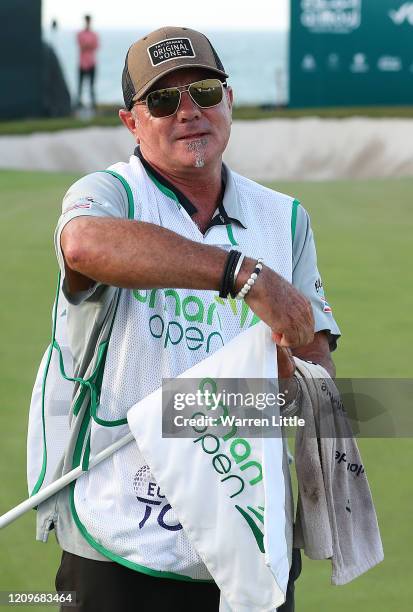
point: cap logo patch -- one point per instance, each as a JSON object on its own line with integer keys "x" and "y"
{"x": 170, "y": 49}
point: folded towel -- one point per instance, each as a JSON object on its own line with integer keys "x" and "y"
{"x": 335, "y": 518}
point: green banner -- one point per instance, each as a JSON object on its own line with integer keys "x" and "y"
{"x": 351, "y": 53}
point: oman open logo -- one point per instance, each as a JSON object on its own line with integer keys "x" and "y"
{"x": 251, "y": 518}
{"x": 155, "y": 505}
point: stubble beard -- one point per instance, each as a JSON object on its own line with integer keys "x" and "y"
{"x": 198, "y": 147}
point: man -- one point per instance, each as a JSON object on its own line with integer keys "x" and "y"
{"x": 143, "y": 252}
{"x": 88, "y": 43}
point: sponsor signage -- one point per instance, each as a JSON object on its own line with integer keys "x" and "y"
{"x": 331, "y": 16}
{"x": 351, "y": 53}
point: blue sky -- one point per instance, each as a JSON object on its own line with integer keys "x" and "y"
{"x": 208, "y": 15}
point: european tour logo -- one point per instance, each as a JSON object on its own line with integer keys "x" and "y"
{"x": 170, "y": 49}
{"x": 148, "y": 493}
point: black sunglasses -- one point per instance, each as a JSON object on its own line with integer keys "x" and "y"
{"x": 165, "y": 102}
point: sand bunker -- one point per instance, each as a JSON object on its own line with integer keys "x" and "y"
{"x": 300, "y": 149}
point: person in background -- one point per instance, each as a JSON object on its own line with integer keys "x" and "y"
{"x": 88, "y": 43}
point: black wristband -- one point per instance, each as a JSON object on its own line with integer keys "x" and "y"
{"x": 225, "y": 287}
{"x": 231, "y": 280}
{"x": 225, "y": 279}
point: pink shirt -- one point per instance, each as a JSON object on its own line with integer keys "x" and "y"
{"x": 88, "y": 42}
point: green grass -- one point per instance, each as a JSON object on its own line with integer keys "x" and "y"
{"x": 107, "y": 116}
{"x": 363, "y": 231}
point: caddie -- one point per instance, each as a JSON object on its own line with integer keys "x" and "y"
{"x": 164, "y": 259}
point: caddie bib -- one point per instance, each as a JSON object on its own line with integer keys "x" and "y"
{"x": 160, "y": 333}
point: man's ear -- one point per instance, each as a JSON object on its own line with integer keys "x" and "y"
{"x": 230, "y": 96}
{"x": 128, "y": 120}
{"x": 230, "y": 99}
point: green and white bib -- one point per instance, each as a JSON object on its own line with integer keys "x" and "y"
{"x": 157, "y": 334}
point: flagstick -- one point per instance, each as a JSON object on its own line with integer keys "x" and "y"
{"x": 60, "y": 483}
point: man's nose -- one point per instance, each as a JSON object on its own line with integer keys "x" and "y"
{"x": 187, "y": 108}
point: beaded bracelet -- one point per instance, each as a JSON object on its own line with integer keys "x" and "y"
{"x": 250, "y": 282}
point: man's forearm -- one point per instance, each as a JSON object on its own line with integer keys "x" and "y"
{"x": 132, "y": 254}
{"x": 138, "y": 255}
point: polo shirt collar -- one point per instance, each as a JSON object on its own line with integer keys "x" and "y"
{"x": 229, "y": 209}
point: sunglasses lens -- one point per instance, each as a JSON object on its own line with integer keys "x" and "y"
{"x": 206, "y": 93}
{"x": 163, "y": 102}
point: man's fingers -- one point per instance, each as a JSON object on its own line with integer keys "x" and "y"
{"x": 286, "y": 364}
{"x": 293, "y": 339}
{"x": 277, "y": 338}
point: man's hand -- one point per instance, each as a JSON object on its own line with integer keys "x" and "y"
{"x": 286, "y": 369}
{"x": 283, "y": 308}
{"x": 318, "y": 351}
{"x": 285, "y": 360}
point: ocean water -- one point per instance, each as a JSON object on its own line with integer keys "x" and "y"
{"x": 255, "y": 61}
